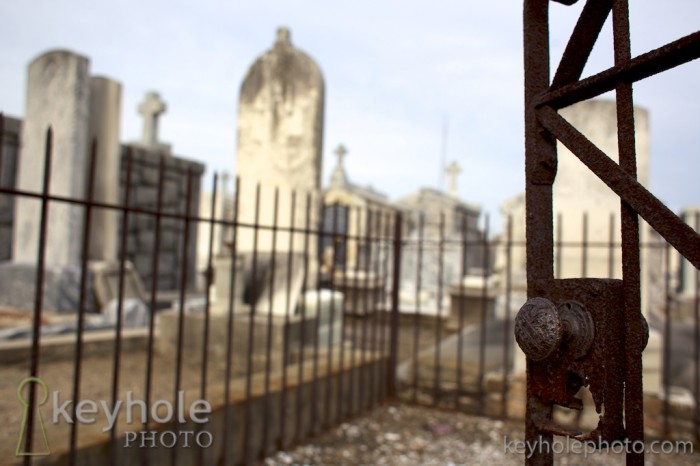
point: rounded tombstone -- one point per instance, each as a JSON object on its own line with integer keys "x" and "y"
{"x": 280, "y": 115}
{"x": 280, "y": 136}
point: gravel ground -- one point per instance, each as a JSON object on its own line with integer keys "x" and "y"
{"x": 410, "y": 435}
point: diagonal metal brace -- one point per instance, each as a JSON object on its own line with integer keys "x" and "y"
{"x": 664, "y": 58}
{"x": 581, "y": 42}
{"x": 680, "y": 235}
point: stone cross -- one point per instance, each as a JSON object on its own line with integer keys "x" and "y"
{"x": 151, "y": 108}
{"x": 453, "y": 171}
{"x": 283, "y": 36}
{"x": 341, "y": 152}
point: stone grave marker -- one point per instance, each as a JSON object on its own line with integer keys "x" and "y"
{"x": 62, "y": 95}
{"x": 58, "y": 95}
{"x": 280, "y": 132}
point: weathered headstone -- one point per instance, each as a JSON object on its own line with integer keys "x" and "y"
{"x": 280, "y": 133}
{"x": 105, "y": 113}
{"x": 58, "y": 95}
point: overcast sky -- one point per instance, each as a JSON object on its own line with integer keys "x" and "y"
{"x": 394, "y": 73}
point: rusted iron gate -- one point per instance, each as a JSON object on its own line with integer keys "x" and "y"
{"x": 587, "y": 331}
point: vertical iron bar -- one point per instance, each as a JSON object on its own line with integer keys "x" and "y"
{"x": 120, "y": 303}
{"x": 438, "y": 317}
{"x": 287, "y": 312}
{"x": 372, "y": 304}
{"x": 268, "y": 349}
{"x": 39, "y": 290}
{"x": 329, "y": 364}
{"x": 540, "y": 168}
{"x": 320, "y": 233}
{"x": 484, "y": 311}
{"x": 386, "y": 307}
{"x": 82, "y": 303}
{"x": 367, "y": 308}
{"x": 696, "y": 315}
{"x": 343, "y": 280}
{"x": 229, "y": 325}
{"x": 377, "y": 308}
{"x": 251, "y": 331}
{"x": 584, "y": 245}
{"x": 634, "y": 401}
{"x": 460, "y": 326}
{"x": 302, "y": 341}
{"x": 207, "y": 287}
{"x": 667, "y": 337}
{"x": 183, "y": 293}
{"x": 145, "y": 457}
{"x": 417, "y": 324}
{"x": 354, "y": 372}
{"x": 506, "y": 332}
{"x": 696, "y": 334}
{"x": 394, "y": 323}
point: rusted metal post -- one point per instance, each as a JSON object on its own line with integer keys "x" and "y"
{"x": 634, "y": 411}
{"x": 541, "y": 167}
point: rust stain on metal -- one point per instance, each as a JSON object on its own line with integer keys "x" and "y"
{"x": 588, "y": 332}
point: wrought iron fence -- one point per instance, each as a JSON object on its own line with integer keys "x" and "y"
{"x": 326, "y": 314}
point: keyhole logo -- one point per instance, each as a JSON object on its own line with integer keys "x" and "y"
{"x": 37, "y": 417}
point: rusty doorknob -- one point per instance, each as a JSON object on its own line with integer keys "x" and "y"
{"x": 541, "y": 328}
